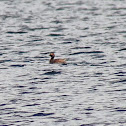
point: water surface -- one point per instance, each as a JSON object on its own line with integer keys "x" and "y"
{"x": 90, "y": 90}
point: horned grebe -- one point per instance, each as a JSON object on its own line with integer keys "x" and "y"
{"x": 52, "y": 60}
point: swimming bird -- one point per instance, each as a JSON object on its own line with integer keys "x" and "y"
{"x": 52, "y": 60}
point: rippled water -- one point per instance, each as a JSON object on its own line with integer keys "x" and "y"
{"x": 90, "y": 90}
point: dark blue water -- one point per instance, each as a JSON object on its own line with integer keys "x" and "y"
{"x": 90, "y": 90}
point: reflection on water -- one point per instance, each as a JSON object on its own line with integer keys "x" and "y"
{"x": 89, "y": 90}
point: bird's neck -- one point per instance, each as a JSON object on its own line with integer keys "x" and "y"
{"x": 52, "y": 57}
